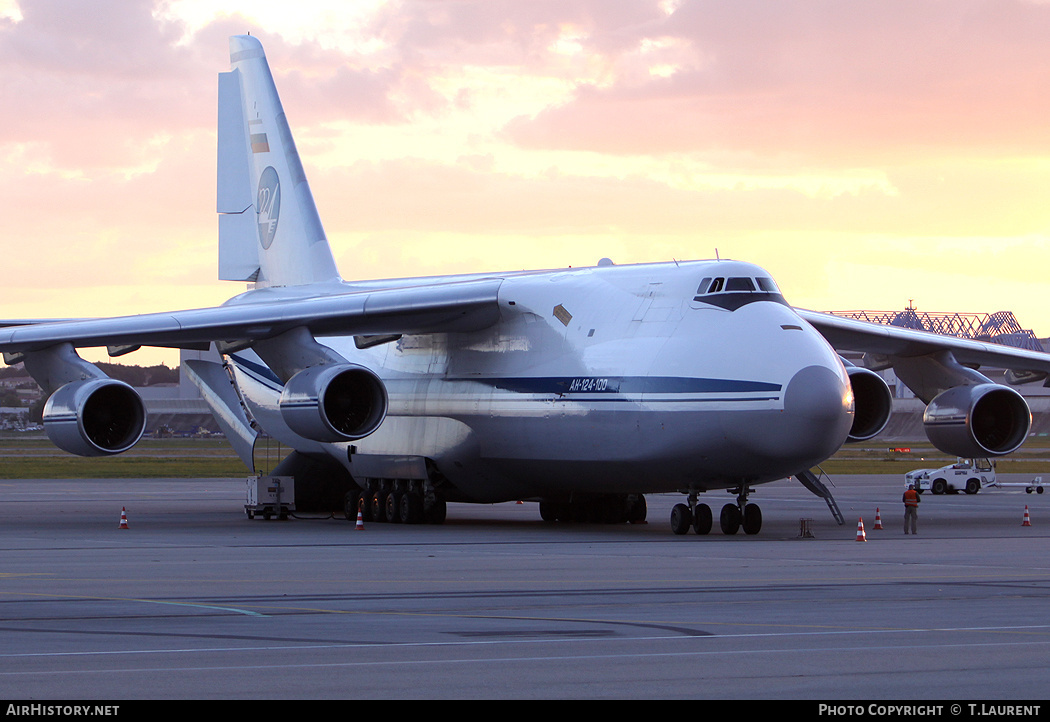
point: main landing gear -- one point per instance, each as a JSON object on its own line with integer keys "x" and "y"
{"x": 597, "y": 509}
{"x": 731, "y": 519}
{"x": 397, "y": 501}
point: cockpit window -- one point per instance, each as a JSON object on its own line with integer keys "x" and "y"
{"x": 740, "y": 284}
{"x": 732, "y": 293}
{"x": 717, "y": 285}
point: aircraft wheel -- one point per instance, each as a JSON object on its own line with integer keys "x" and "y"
{"x": 680, "y": 519}
{"x": 435, "y": 513}
{"x": 350, "y": 505}
{"x": 615, "y": 510}
{"x": 703, "y": 519}
{"x": 411, "y": 508}
{"x": 636, "y": 510}
{"x": 379, "y": 506}
{"x": 578, "y": 512}
{"x": 595, "y": 511}
{"x": 366, "y": 507}
{"x": 752, "y": 519}
{"x": 393, "y": 507}
{"x": 729, "y": 519}
{"x": 548, "y": 511}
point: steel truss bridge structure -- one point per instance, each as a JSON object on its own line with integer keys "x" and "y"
{"x": 1000, "y": 327}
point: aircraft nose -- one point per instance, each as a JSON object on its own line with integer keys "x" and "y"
{"x": 818, "y": 412}
{"x": 819, "y": 394}
{"x": 814, "y": 423}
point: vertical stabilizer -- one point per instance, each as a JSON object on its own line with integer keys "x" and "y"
{"x": 269, "y": 229}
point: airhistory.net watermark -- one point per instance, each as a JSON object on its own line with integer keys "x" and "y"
{"x": 62, "y": 710}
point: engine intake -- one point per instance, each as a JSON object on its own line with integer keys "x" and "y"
{"x": 94, "y": 417}
{"x": 978, "y": 421}
{"x": 335, "y": 402}
{"x": 872, "y": 404}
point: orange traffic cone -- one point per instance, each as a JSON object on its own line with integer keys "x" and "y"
{"x": 860, "y": 531}
{"x": 1027, "y": 521}
{"x": 360, "y": 526}
{"x": 124, "y": 518}
{"x": 878, "y": 519}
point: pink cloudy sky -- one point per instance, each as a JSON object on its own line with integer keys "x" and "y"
{"x": 867, "y": 153}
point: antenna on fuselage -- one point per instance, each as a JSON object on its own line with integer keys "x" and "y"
{"x": 717, "y": 257}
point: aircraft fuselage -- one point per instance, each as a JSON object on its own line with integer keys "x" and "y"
{"x": 605, "y": 379}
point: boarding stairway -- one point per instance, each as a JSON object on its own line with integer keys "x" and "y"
{"x": 812, "y": 482}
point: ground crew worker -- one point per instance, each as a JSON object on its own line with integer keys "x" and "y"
{"x": 911, "y": 509}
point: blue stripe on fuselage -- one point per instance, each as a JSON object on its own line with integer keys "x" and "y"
{"x": 565, "y": 385}
{"x": 624, "y": 385}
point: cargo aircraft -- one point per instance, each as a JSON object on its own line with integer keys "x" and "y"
{"x": 583, "y": 388}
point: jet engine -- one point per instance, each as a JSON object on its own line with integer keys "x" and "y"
{"x": 334, "y": 402}
{"x": 977, "y": 421}
{"x": 94, "y": 417}
{"x": 872, "y": 403}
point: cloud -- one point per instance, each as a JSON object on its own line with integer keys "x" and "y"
{"x": 97, "y": 85}
{"x": 820, "y": 82}
{"x": 464, "y": 135}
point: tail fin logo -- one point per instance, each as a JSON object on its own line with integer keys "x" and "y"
{"x": 268, "y": 205}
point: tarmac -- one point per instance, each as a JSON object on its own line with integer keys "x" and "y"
{"x": 195, "y": 601}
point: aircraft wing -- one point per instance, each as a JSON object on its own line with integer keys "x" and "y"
{"x": 451, "y": 306}
{"x": 846, "y": 334}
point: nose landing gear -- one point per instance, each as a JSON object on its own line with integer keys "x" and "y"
{"x": 741, "y": 514}
{"x": 693, "y": 515}
{"x": 731, "y": 519}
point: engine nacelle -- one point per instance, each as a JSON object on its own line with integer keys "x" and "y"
{"x": 95, "y": 417}
{"x": 334, "y": 402}
{"x": 872, "y": 404}
{"x": 978, "y": 421}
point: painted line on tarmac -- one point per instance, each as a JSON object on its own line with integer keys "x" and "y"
{"x": 402, "y": 663}
{"x": 235, "y": 610}
{"x": 1042, "y": 628}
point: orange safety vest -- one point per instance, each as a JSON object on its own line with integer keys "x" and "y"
{"x": 911, "y": 498}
